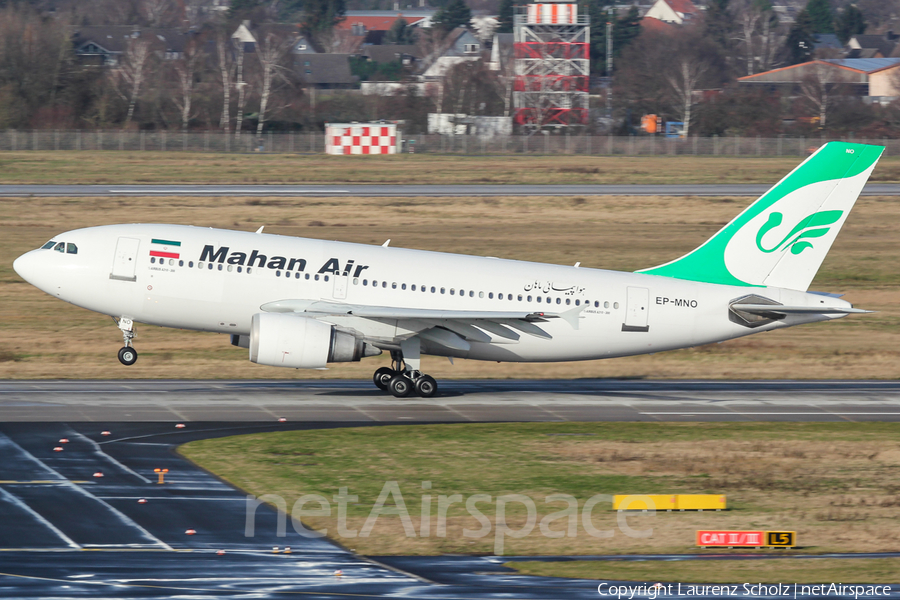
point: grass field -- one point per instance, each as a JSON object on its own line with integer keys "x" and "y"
{"x": 836, "y": 484}
{"x": 869, "y": 571}
{"x": 43, "y": 338}
{"x": 181, "y": 167}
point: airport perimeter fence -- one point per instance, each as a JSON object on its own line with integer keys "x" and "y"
{"x": 314, "y": 143}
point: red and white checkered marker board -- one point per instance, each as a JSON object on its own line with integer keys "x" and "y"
{"x": 372, "y": 138}
{"x": 553, "y": 13}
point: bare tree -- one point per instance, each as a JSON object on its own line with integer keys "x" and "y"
{"x": 816, "y": 88}
{"x": 158, "y": 12}
{"x": 747, "y": 15}
{"x": 130, "y": 73}
{"x": 241, "y": 86}
{"x": 185, "y": 69}
{"x": 271, "y": 53}
{"x": 684, "y": 78}
{"x": 222, "y": 52}
{"x": 771, "y": 38}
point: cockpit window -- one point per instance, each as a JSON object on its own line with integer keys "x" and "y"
{"x": 60, "y": 247}
{"x": 48, "y": 245}
{"x": 71, "y": 249}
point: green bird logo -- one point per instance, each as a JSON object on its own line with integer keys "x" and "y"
{"x": 814, "y": 226}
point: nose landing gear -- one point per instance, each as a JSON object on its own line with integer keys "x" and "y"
{"x": 402, "y": 379}
{"x": 127, "y": 354}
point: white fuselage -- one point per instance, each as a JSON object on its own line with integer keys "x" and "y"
{"x": 209, "y": 287}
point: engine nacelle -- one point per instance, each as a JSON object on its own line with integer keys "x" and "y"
{"x": 286, "y": 340}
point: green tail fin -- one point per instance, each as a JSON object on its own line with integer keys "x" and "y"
{"x": 782, "y": 238}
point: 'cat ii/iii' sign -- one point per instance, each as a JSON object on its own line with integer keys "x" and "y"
{"x": 746, "y": 539}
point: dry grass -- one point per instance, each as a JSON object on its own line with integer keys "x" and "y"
{"x": 44, "y": 338}
{"x": 835, "y": 484}
{"x": 184, "y": 167}
{"x": 774, "y": 571}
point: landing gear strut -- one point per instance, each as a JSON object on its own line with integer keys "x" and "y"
{"x": 404, "y": 377}
{"x": 127, "y": 354}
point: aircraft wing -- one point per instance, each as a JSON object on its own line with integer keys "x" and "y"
{"x": 450, "y": 328}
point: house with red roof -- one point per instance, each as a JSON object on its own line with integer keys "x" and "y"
{"x": 673, "y": 12}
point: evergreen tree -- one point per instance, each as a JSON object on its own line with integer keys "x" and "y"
{"x": 321, "y": 16}
{"x": 507, "y": 9}
{"x": 400, "y": 33}
{"x": 624, "y": 30}
{"x": 849, "y": 23}
{"x": 455, "y": 14}
{"x": 241, "y": 7}
{"x": 801, "y": 39}
{"x": 719, "y": 24}
{"x": 820, "y": 16}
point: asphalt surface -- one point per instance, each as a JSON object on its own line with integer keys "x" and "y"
{"x": 65, "y": 533}
{"x": 344, "y": 401}
{"x": 391, "y": 190}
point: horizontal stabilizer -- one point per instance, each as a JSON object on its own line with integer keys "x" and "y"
{"x": 760, "y": 309}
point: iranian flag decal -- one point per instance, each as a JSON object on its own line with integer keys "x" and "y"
{"x": 164, "y": 248}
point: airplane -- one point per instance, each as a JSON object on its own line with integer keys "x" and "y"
{"x": 305, "y": 303}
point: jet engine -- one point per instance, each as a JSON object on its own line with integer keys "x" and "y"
{"x": 285, "y": 340}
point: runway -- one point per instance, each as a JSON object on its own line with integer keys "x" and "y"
{"x": 391, "y": 190}
{"x": 343, "y": 401}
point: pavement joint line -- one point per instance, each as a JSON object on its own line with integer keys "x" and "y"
{"x": 820, "y": 413}
{"x": 40, "y": 518}
{"x": 119, "y": 584}
{"x": 81, "y": 490}
{"x": 43, "y": 481}
{"x": 112, "y": 459}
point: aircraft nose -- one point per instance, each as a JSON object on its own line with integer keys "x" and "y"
{"x": 25, "y": 266}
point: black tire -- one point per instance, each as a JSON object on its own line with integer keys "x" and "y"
{"x": 128, "y": 356}
{"x": 383, "y": 377}
{"x": 426, "y": 386}
{"x": 400, "y": 386}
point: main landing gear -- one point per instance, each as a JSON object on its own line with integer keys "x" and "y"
{"x": 404, "y": 377}
{"x": 127, "y": 354}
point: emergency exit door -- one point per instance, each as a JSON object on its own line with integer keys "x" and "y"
{"x": 125, "y": 260}
{"x": 637, "y": 307}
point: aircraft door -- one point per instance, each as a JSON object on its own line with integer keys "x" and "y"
{"x": 125, "y": 260}
{"x": 340, "y": 287}
{"x": 637, "y": 306}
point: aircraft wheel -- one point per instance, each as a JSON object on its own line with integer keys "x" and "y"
{"x": 128, "y": 355}
{"x": 400, "y": 386}
{"x": 426, "y": 386}
{"x": 383, "y": 377}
